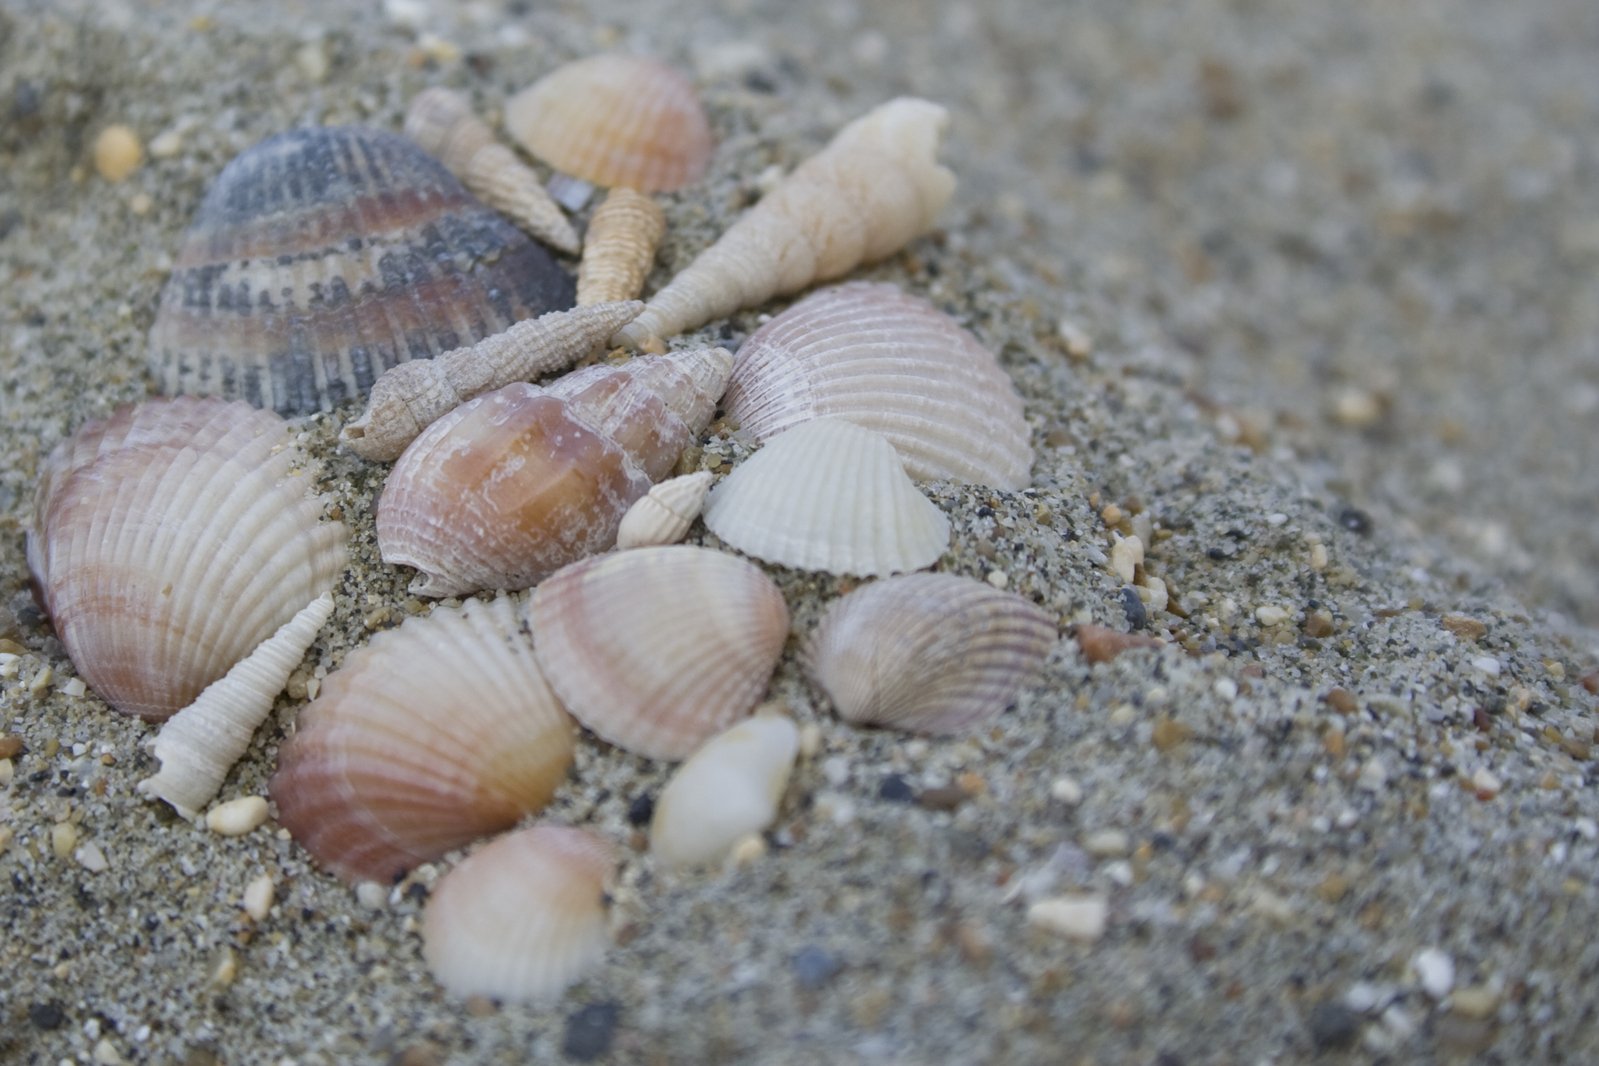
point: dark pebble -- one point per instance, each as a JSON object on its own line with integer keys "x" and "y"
{"x": 1333, "y": 1026}
{"x": 1355, "y": 520}
{"x": 641, "y": 810}
{"x": 46, "y": 1015}
{"x": 1133, "y": 608}
{"x": 814, "y": 967}
{"x": 896, "y": 789}
{"x": 589, "y": 1031}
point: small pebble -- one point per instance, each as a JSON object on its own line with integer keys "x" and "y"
{"x": 1333, "y": 1026}
{"x": 1107, "y": 844}
{"x": 117, "y": 153}
{"x": 91, "y": 858}
{"x": 371, "y": 895}
{"x": 47, "y": 1016}
{"x": 166, "y": 144}
{"x": 237, "y": 817}
{"x": 74, "y": 688}
{"x": 998, "y": 578}
{"x": 258, "y": 897}
{"x": 945, "y": 798}
{"x": 1125, "y": 556}
{"x": 1475, "y": 1001}
{"x": 1076, "y": 340}
{"x": 814, "y": 967}
{"x": 641, "y": 810}
{"x": 590, "y": 1031}
{"x": 1133, "y": 608}
{"x": 810, "y": 740}
{"x": 896, "y": 789}
{"x": 63, "y": 839}
{"x": 1486, "y": 664}
{"x": 1485, "y": 783}
{"x": 1066, "y": 791}
{"x": 1271, "y": 615}
{"x": 105, "y": 1053}
{"x": 1080, "y": 918}
{"x": 1356, "y": 408}
{"x": 10, "y": 747}
{"x": 747, "y": 850}
{"x": 1435, "y": 971}
{"x": 1101, "y": 644}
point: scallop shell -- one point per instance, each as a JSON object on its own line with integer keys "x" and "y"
{"x": 664, "y": 515}
{"x": 516, "y": 484}
{"x": 321, "y": 257}
{"x": 870, "y": 192}
{"x": 622, "y": 238}
{"x": 523, "y": 917}
{"x": 615, "y": 120}
{"x": 928, "y": 653}
{"x": 171, "y": 539}
{"x": 828, "y": 495}
{"x": 435, "y": 734}
{"x": 894, "y": 364}
{"x": 656, "y": 649}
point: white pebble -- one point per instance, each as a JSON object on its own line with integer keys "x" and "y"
{"x": 91, "y": 858}
{"x": 1120, "y": 872}
{"x": 1398, "y": 1021}
{"x": 1486, "y": 664}
{"x": 835, "y": 770}
{"x": 166, "y": 144}
{"x": 1066, "y": 791}
{"x": 1107, "y": 844}
{"x": 105, "y": 1053}
{"x": 1362, "y": 997}
{"x": 1435, "y": 970}
{"x": 237, "y": 817}
{"x": 998, "y": 578}
{"x": 1125, "y": 556}
{"x": 74, "y": 688}
{"x": 371, "y": 895}
{"x": 258, "y": 897}
{"x": 1271, "y": 615}
{"x": 1486, "y": 783}
{"x": 1226, "y": 688}
{"x": 1373, "y": 776}
{"x": 1075, "y": 917}
{"x": 1276, "y": 518}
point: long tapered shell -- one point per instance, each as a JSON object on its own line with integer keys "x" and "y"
{"x": 726, "y": 790}
{"x": 928, "y": 653}
{"x": 828, "y": 495}
{"x": 622, "y": 238}
{"x": 664, "y": 515}
{"x": 442, "y": 122}
{"x": 412, "y": 396}
{"x": 322, "y": 257}
{"x": 515, "y": 484}
{"x": 521, "y": 918}
{"x": 656, "y": 649}
{"x": 199, "y": 745}
{"x": 433, "y": 735}
{"x": 171, "y": 539}
{"x": 894, "y": 364}
{"x": 615, "y": 120}
{"x": 867, "y": 194}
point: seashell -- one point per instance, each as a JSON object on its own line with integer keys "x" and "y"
{"x": 658, "y": 648}
{"x": 412, "y": 396}
{"x": 726, "y": 790}
{"x": 828, "y": 495}
{"x": 523, "y": 917}
{"x": 442, "y": 122}
{"x": 435, "y": 734}
{"x": 894, "y": 364}
{"x": 321, "y": 257}
{"x": 199, "y": 745}
{"x": 169, "y": 540}
{"x": 928, "y": 653}
{"x": 514, "y": 485}
{"x": 867, "y": 194}
{"x": 622, "y": 238}
{"x": 664, "y": 514}
{"x": 615, "y": 120}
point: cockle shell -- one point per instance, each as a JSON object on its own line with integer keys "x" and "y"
{"x": 615, "y": 120}
{"x": 442, "y": 122}
{"x": 726, "y": 790}
{"x": 828, "y": 495}
{"x": 321, "y": 257}
{"x": 172, "y": 538}
{"x": 435, "y": 734}
{"x": 867, "y": 194}
{"x": 412, "y": 396}
{"x": 664, "y": 514}
{"x": 894, "y": 364}
{"x": 521, "y": 918}
{"x": 928, "y": 653}
{"x": 199, "y": 745}
{"x": 515, "y": 484}
{"x": 622, "y": 237}
{"x": 656, "y": 649}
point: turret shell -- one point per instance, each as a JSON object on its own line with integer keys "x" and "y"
{"x": 622, "y": 238}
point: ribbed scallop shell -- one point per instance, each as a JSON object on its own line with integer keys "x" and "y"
{"x": 172, "y": 538}
{"x": 523, "y": 917}
{"x": 928, "y": 653}
{"x": 321, "y": 257}
{"x": 615, "y": 120}
{"x": 657, "y": 649}
{"x": 828, "y": 495}
{"x": 894, "y": 364}
{"x": 665, "y": 514}
{"x": 435, "y": 734}
{"x": 515, "y": 484}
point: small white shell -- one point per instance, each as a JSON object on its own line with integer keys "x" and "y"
{"x": 828, "y": 495}
{"x": 666, "y": 513}
{"x": 521, "y": 918}
{"x": 729, "y": 788}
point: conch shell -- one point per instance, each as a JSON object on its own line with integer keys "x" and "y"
{"x": 622, "y": 237}
{"x": 863, "y": 197}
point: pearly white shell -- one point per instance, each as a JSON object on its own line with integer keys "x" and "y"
{"x": 665, "y": 514}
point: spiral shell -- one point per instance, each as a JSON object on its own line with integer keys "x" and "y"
{"x": 435, "y": 734}
{"x": 664, "y": 515}
{"x": 894, "y": 364}
{"x": 656, "y": 649}
{"x": 622, "y": 238}
{"x": 867, "y": 194}
{"x": 321, "y": 257}
{"x": 171, "y": 539}
{"x": 515, "y": 484}
{"x": 615, "y": 120}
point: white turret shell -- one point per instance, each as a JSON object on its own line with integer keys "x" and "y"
{"x": 665, "y": 514}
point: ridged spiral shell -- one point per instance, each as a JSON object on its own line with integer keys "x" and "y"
{"x": 623, "y": 234}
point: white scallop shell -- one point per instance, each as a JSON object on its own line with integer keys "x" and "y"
{"x": 894, "y": 364}
{"x": 828, "y": 495}
{"x": 666, "y": 513}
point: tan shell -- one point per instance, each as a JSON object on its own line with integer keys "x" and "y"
{"x": 928, "y": 653}
{"x": 622, "y": 238}
{"x": 516, "y": 484}
{"x": 412, "y": 396}
{"x": 442, "y": 122}
{"x": 521, "y": 918}
{"x": 171, "y": 539}
{"x": 435, "y": 734}
{"x": 866, "y": 195}
{"x": 615, "y": 120}
{"x": 657, "y": 649}
{"x": 666, "y": 513}
{"x": 828, "y": 495}
{"x": 728, "y": 789}
{"x": 894, "y": 364}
